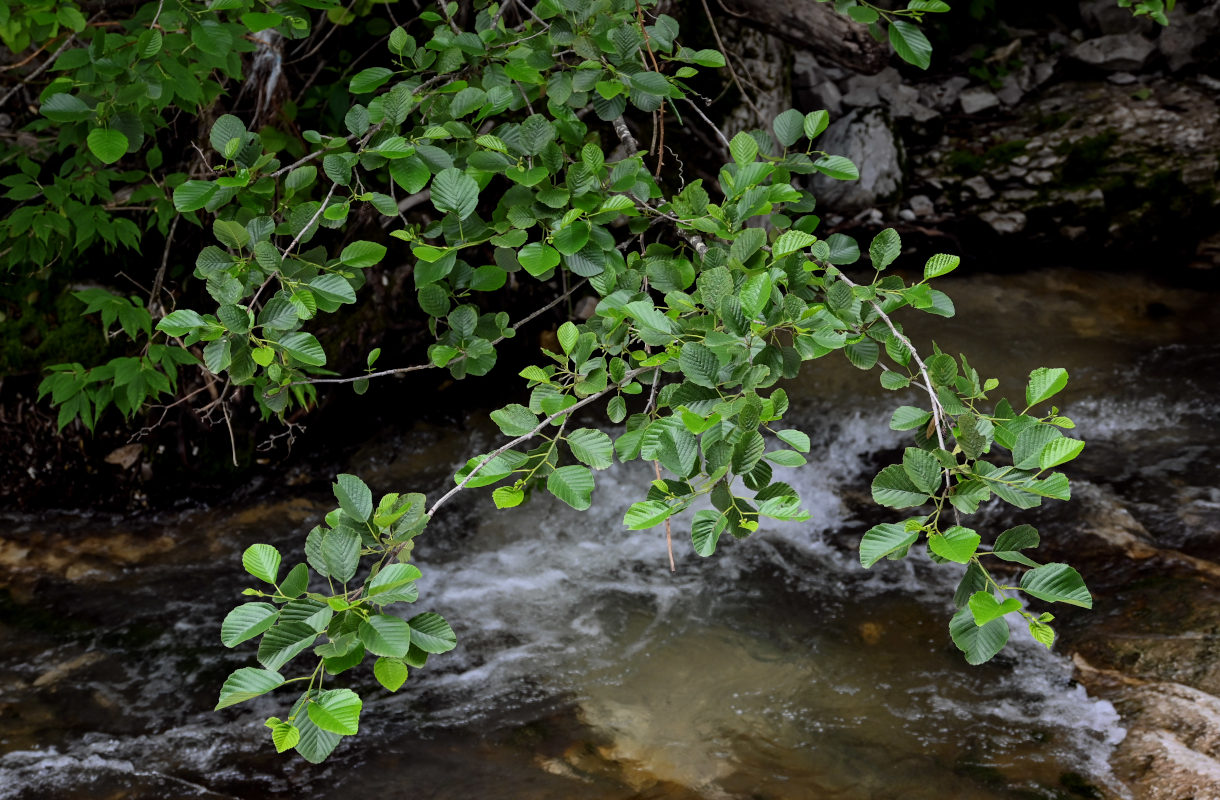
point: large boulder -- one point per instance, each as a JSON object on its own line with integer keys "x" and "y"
{"x": 1120, "y": 52}
{"x": 866, "y": 136}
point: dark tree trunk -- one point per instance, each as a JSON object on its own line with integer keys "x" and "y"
{"x": 816, "y": 28}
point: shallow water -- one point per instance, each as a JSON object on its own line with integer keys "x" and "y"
{"x": 585, "y": 669}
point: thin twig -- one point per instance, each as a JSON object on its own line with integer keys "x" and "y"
{"x": 526, "y": 437}
{"x": 669, "y": 538}
{"x": 50, "y": 60}
{"x": 224, "y": 407}
{"x": 938, "y": 411}
{"x": 729, "y": 64}
{"x": 430, "y": 365}
{"x": 719, "y": 134}
{"x": 156, "y": 287}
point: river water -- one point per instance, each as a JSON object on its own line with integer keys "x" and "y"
{"x": 585, "y": 669}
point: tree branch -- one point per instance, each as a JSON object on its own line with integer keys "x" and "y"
{"x": 526, "y": 437}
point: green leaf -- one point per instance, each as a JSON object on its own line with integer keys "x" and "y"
{"x": 794, "y": 439}
{"x": 247, "y": 621}
{"x": 1043, "y": 634}
{"x": 1027, "y": 450}
{"x": 909, "y": 417}
{"x": 295, "y": 582}
{"x": 893, "y": 488}
{"x": 883, "y": 540}
{"x": 262, "y": 561}
{"x": 385, "y": 635}
{"x": 838, "y": 167}
{"x": 514, "y": 419}
{"x": 706, "y": 528}
{"x": 843, "y": 250}
{"x": 362, "y": 254}
{"x": 247, "y": 683}
{"x": 864, "y": 353}
{"x": 315, "y": 744}
{"x": 453, "y": 191}
{"x": 592, "y": 447}
{"x": 430, "y": 633}
{"x": 985, "y": 607}
{"x": 1057, "y": 583}
{"x": 1010, "y": 542}
{"x": 922, "y": 468}
{"x": 743, "y": 148}
{"x": 955, "y": 544}
{"x": 65, "y": 108}
{"x": 791, "y": 242}
{"x": 392, "y": 577}
{"x": 1059, "y": 451}
{"x": 304, "y": 347}
{"x": 646, "y": 514}
{"x": 1044, "y": 383}
{"x": 108, "y": 144}
{"x": 538, "y": 258}
{"x": 815, "y": 123}
{"x": 283, "y": 642}
{"x": 180, "y": 322}
{"x": 390, "y": 673}
{"x": 699, "y": 364}
{"x": 336, "y": 711}
{"x": 572, "y": 484}
{"x": 354, "y": 496}
{"x": 225, "y": 129}
{"x": 369, "y": 80}
{"x": 979, "y": 644}
{"x": 940, "y": 264}
{"x": 788, "y": 127}
{"x": 885, "y": 248}
{"x": 894, "y": 380}
{"x": 193, "y": 195}
{"x": 285, "y": 735}
{"x": 786, "y": 458}
{"x": 910, "y": 44}
{"x": 341, "y": 553}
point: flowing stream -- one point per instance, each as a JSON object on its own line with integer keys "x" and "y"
{"x": 778, "y": 668}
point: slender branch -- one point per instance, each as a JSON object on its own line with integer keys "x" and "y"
{"x": 938, "y": 411}
{"x": 156, "y": 287}
{"x": 526, "y": 437}
{"x": 728, "y": 63}
{"x": 624, "y": 135}
{"x": 50, "y": 60}
{"x": 430, "y": 365}
{"x": 719, "y": 134}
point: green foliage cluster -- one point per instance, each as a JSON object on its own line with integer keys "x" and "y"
{"x": 352, "y": 615}
{"x": 515, "y": 133}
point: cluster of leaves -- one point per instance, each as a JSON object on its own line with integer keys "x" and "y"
{"x": 127, "y": 382}
{"x": 960, "y": 477}
{"x": 353, "y": 617}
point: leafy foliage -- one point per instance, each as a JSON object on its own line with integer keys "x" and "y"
{"x": 516, "y": 139}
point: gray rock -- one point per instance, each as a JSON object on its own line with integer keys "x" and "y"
{"x": 1189, "y": 34}
{"x": 944, "y": 95}
{"x": 866, "y": 137}
{"x": 922, "y": 205}
{"x": 827, "y": 95}
{"x": 903, "y": 101}
{"x": 906, "y": 215}
{"x": 1122, "y": 78}
{"x": 1004, "y": 222}
{"x": 860, "y": 96}
{"x": 977, "y": 99}
{"x": 1010, "y": 92}
{"x": 1124, "y": 52}
{"x": 1039, "y": 177}
{"x": 978, "y": 184}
